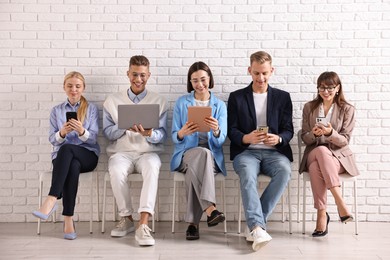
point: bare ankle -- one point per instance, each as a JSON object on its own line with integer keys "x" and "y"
{"x": 210, "y": 209}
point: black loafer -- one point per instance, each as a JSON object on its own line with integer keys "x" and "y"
{"x": 215, "y": 218}
{"x": 192, "y": 233}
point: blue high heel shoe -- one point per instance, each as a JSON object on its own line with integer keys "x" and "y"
{"x": 72, "y": 235}
{"x": 42, "y": 216}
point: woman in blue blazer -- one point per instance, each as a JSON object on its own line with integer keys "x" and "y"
{"x": 199, "y": 154}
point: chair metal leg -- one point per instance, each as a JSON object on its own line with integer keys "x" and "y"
{"x": 289, "y": 209}
{"x": 98, "y": 198}
{"x": 39, "y": 204}
{"x": 104, "y": 205}
{"x": 304, "y": 208}
{"x": 155, "y": 213}
{"x": 153, "y": 223}
{"x": 239, "y": 211}
{"x": 114, "y": 209}
{"x": 173, "y": 207}
{"x": 299, "y": 199}
{"x": 158, "y": 206}
{"x": 91, "y": 203}
{"x": 283, "y": 215}
{"x": 224, "y": 204}
{"x": 356, "y": 206}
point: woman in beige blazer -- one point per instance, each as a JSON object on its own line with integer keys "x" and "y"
{"x": 327, "y": 124}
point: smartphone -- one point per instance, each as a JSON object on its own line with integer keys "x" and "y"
{"x": 263, "y": 129}
{"x": 322, "y": 120}
{"x": 70, "y": 115}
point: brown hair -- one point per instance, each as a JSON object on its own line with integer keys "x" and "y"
{"x": 139, "y": 60}
{"x": 194, "y": 68}
{"x": 329, "y": 78}
{"x": 261, "y": 57}
{"x": 82, "y": 111}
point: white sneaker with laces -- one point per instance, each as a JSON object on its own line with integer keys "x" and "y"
{"x": 124, "y": 226}
{"x": 143, "y": 236}
{"x": 248, "y": 235}
{"x": 260, "y": 238}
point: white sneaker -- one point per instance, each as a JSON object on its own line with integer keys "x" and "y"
{"x": 124, "y": 227}
{"x": 260, "y": 238}
{"x": 248, "y": 235}
{"x": 143, "y": 236}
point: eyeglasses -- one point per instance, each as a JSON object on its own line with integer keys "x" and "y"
{"x": 141, "y": 75}
{"x": 328, "y": 88}
{"x": 203, "y": 80}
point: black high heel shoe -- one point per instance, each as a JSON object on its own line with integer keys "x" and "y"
{"x": 318, "y": 233}
{"x": 346, "y": 219}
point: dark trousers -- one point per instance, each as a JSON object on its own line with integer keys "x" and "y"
{"x": 71, "y": 160}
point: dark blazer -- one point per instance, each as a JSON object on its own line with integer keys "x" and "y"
{"x": 343, "y": 122}
{"x": 242, "y": 119}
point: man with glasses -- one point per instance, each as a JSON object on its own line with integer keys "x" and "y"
{"x": 134, "y": 149}
{"x": 260, "y": 129}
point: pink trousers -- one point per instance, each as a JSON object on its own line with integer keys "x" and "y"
{"x": 324, "y": 170}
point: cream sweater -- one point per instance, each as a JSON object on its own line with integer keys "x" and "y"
{"x": 131, "y": 141}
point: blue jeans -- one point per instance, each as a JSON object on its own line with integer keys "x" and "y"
{"x": 248, "y": 166}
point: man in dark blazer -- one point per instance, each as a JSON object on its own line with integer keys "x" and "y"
{"x": 260, "y": 129}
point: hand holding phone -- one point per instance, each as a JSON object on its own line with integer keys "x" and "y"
{"x": 322, "y": 121}
{"x": 262, "y": 129}
{"x": 70, "y": 115}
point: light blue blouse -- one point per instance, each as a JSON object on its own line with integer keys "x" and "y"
{"x": 215, "y": 144}
{"x": 91, "y": 125}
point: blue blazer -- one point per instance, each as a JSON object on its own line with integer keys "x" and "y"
{"x": 180, "y": 117}
{"x": 242, "y": 119}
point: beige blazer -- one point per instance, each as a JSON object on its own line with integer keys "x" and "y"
{"x": 343, "y": 122}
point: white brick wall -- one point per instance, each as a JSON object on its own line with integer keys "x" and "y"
{"x": 41, "y": 40}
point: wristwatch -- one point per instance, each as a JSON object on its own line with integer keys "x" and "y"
{"x": 280, "y": 140}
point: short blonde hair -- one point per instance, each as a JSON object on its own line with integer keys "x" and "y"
{"x": 261, "y": 57}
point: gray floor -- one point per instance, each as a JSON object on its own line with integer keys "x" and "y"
{"x": 19, "y": 241}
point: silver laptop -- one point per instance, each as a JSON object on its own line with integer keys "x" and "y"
{"x": 145, "y": 114}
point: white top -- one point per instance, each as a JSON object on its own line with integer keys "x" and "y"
{"x": 260, "y": 100}
{"x": 321, "y": 113}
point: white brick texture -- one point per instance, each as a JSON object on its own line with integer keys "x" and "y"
{"x": 40, "y": 41}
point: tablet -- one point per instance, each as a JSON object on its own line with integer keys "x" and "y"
{"x": 197, "y": 115}
{"x": 134, "y": 114}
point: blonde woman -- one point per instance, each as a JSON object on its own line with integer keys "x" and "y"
{"x": 75, "y": 150}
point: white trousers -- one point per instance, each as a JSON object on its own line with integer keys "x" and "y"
{"x": 120, "y": 165}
